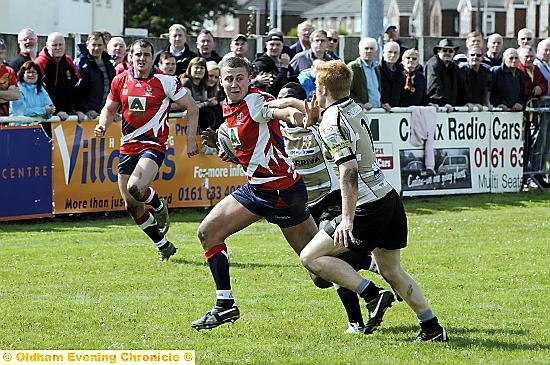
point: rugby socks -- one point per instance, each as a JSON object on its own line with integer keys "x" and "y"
{"x": 218, "y": 261}
{"x": 351, "y": 304}
{"x": 367, "y": 290}
{"x": 148, "y": 224}
{"x": 150, "y": 197}
{"x": 428, "y": 322}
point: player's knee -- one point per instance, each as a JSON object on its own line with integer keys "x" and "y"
{"x": 135, "y": 191}
{"x": 391, "y": 273}
{"x": 306, "y": 259}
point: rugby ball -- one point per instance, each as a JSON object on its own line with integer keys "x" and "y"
{"x": 225, "y": 144}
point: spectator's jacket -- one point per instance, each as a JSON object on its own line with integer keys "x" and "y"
{"x": 281, "y": 75}
{"x": 182, "y": 59}
{"x": 294, "y": 49}
{"x": 308, "y": 83}
{"x": 19, "y": 60}
{"x": 507, "y": 88}
{"x": 491, "y": 62}
{"x": 473, "y": 86}
{"x": 90, "y": 88}
{"x": 304, "y": 60}
{"x": 214, "y": 56}
{"x": 60, "y": 79}
{"x": 7, "y": 79}
{"x": 30, "y": 103}
{"x": 391, "y": 83}
{"x": 418, "y": 97}
{"x": 442, "y": 81}
{"x": 358, "y": 90}
{"x": 537, "y": 80}
{"x": 545, "y": 70}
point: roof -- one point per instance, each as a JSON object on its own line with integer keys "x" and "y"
{"x": 335, "y": 8}
{"x": 296, "y": 7}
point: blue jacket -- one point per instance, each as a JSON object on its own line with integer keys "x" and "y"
{"x": 307, "y": 82}
{"x": 30, "y": 103}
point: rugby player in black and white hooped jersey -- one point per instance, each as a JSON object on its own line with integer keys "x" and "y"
{"x": 373, "y": 216}
{"x": 304, "y": 147}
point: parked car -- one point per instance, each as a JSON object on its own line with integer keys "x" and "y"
{"x": 457, "y": 165}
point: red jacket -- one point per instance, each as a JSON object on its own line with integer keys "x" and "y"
{"x": 537, "y": 80}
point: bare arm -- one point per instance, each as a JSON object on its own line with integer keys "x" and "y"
{"x": 188, "y": 103}
{"x": 106, "y": 117}
{"x": 349, "y": 188}
{"x": 290, "y": 115}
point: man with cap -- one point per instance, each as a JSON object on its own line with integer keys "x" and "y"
{"x": 239, "y": 48}
{"x": 441, "y": 75}
{"x": 275, "y": 63}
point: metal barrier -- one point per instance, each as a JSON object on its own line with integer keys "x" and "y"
{"x": 537, "y": 144}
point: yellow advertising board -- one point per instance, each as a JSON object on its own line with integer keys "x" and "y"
{"x": 85, "y": 170}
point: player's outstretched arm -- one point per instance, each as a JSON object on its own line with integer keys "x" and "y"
{"x": 188, "y": 103}
{"x": 106, "y": 117}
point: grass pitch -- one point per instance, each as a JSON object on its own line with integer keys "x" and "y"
{"x": 94, "y": 283}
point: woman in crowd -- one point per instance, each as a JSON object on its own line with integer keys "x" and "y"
{"x": 34, "y": 100}
{"x": 195, "y": 79}
{"x": 414, "y": 91}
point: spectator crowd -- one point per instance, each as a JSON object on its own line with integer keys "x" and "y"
{"x": 48, "y": 82}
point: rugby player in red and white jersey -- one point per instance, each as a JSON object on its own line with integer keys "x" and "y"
{"x": 274, "y": 190}
{"x": 145, "y": 94}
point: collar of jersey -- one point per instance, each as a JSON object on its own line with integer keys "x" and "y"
{"x": 339, "y": 101}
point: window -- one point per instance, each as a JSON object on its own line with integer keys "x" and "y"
{"x": 229, "y": 23}
{"x": 489, "y": 23}
{"x": 357, "y": 25}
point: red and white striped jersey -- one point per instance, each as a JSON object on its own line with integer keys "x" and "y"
{"x": 259, "y": 143}
{"x": 145, "y": 104}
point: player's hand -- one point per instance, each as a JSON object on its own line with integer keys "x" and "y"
{"x": 209, "y": 138}
{"x": 343, "y": 235}
{"x": 99, "y": 130}
{"x": 223, "y": 156}
{"x": 313, "y": 112}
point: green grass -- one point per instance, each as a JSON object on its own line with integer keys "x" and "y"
{"x": 94, "y": 283}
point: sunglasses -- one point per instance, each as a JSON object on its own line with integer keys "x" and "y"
{"x": 526, "y": 39}
{"x": 475, "y": 55}
{"x": 332, "y": 40}
{"x": 447, "y": 50}
{"x": 411, "y": 58}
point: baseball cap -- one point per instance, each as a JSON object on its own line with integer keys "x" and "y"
{"x": 275, "y": 36}
{"x": 240, "y": 36}
{"x": 388, "y": 27}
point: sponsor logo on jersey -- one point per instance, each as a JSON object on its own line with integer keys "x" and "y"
{"x": 234, "y": 137}
{"x": 137, "y": 104}
{"x": 353, "y": 112}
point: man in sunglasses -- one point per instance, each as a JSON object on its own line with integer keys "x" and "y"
{"x": 441, "y": 75}
{"x": 332, "y": 46}
{"x": 474, "y": 81}
{"x": 526, "y": 37}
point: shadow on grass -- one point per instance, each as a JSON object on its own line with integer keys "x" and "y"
{"x": 241, "y": 265}
{"x": 462, "y": 337}
{"x": 457, "y": 203}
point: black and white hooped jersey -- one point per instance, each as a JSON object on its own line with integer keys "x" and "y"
{"x": 346, "y": 136}
{"x": 303, "y": 146}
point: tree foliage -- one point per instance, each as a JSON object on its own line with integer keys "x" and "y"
{"x": 158, "y": 15}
